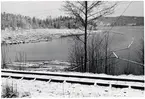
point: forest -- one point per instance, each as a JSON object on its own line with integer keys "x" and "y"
{"x": 15, "y": 22}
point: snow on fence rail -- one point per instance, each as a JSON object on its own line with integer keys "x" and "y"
{"x": 77, "y": 75}
{"x": 69, "y": 79}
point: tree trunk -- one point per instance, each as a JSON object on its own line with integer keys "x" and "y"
{"x": 106, "y": 54}
{"x": 85, "y": 38}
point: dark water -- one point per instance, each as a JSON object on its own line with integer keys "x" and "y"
{"x": 57, "y": 49}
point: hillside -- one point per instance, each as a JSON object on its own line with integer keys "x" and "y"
{"x": 124, "y": 21}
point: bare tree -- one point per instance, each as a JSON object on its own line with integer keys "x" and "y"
{"x": 76, "y": 52}
{"x": 100, "y": 56}
{"x": 86, "y": 13}
{"x": 96, "y": 55}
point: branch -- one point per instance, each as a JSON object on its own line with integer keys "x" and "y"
{"x": 94, "y": 4}
{"x": 77, "y": 37}
{"x": 69, "y": 8}
{"x": 81, "y": 10}
{"x": 107, "y": 9}
{"x": 81, "y": 4}
{"x": 101, "y": 15}
{"x": 103, "y": 12}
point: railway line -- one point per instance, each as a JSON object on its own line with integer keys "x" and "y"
{"x": 74, "y": 78}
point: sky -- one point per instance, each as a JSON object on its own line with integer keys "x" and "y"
{"x": 43, "y": 9}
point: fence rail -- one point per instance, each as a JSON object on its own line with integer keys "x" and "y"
{"x": 70, "y": 78}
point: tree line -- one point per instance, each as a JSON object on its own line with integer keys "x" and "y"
{"x": 12, "y": 21}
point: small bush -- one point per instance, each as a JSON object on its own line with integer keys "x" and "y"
{"x": 9, "y": 91}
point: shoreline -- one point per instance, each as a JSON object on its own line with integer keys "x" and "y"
{"x": 35, "y": 35}
{"x": 44, "y": 35}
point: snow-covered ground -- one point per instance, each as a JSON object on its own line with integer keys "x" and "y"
{"x": 139, "y": 77}
{"x": 45, "y": 89}
{"x": 34, "y": 35}
{"x": 78, "y": 79}
{"x": 50, "y": 65}
{"x": 38, "y": 63}
{"x": 37, "y": 89}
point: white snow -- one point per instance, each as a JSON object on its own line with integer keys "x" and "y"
{"x": 23, "y": 64}
{"x": 141, "y": 77}
{"x": 33, "y": 35}
{"x": 39, "y": 89}
{"x": 57, "y": 62}
{"x": 47, "y": 65}
{"x": 78, "y": 79}
{"x": 37, "y": 35}
{"x": 37, "y": 64}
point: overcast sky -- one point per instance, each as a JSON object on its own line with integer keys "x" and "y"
{"x": 43, "y": 9}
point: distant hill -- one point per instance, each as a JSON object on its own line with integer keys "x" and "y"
{"x": 123, "y": 21}
{"x": 14, "y": 22}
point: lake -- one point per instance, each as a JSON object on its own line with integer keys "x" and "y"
{"x": 58, "y": 49}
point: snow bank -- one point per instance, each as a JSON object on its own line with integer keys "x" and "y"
{"x": 141, "y": 77}
{"x": 23, "y": 64}
{"x": 36, "y": 35}
{"x": 39, "y": 89}
{"x": 33, "y": 35}
{"x": 78, "y": 79}
{"x": 57, "y": 62}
